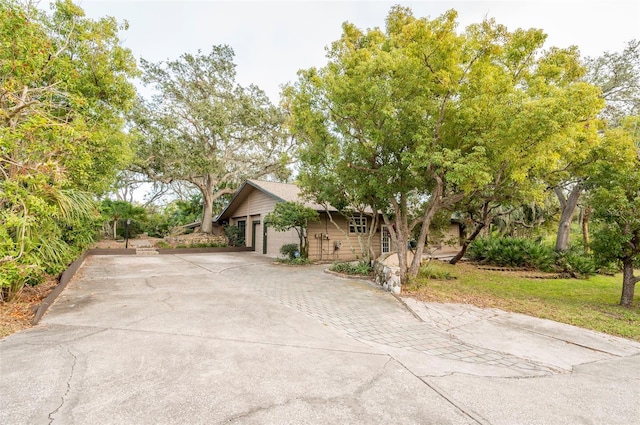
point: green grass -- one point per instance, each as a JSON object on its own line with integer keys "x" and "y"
{"x": 589, "y": 303}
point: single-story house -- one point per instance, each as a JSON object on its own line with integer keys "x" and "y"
{"x": 327, "y": 242}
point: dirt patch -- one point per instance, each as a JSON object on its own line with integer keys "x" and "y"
{"x": 18, "y": 313}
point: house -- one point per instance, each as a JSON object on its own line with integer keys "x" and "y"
{"x": 333, "y": 238}
{"x": 327, "y": 241}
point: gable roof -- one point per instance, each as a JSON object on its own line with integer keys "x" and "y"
{"x": 282, "y": 192}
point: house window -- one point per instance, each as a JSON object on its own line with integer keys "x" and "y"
{"x": 358, "y": 225}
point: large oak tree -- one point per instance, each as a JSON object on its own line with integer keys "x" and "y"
{"x": 203, "y": 128}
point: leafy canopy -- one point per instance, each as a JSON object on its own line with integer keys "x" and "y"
{"x": 415, "y": 118}
{"x": 203, "y": 128}
{"x": 64, "y": 87}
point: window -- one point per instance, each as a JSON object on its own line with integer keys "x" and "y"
{"x": 242, "y": 230}
{"x": 358, "y": 225}
{"x": 386, "y": 240}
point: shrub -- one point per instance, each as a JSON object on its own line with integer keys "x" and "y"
{"x": 512, "y": 252}
{"x": 290, "y": 251}
{"x": 234, "y": 235}
{"x": 361, "y": 268}
{"x": 13, "y": 276}
{"x": 299, "y": 261}
{"x": 576, "y": 261}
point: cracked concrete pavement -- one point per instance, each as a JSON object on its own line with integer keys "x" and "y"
{"x": 233, "y": 338}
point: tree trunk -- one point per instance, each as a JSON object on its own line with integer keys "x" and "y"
{"x": 207, "y": 205}
{"x": 433, "y": 206}
{"x": 402, "y": 235}
{"x": 628, "y": 282}
{"x": 568, "y": 209}
{"x": 585, "y": 227}
{"x": 479, "y": 226}
{"x": 207, "y": 214}
{"x": 304, "y": 249}
{"x": 467, "y": 242}
{"x": 115, "y": 228}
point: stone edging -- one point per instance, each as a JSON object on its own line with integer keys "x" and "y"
{"x": 387, "y": 276}
{"x": 66, "y": 276}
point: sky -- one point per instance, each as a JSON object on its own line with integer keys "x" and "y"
{"x": 272, "y": 40}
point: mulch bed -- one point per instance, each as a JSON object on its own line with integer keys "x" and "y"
{"x": 18, "y": 314}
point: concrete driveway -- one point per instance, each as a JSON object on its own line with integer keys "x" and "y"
{"x": 232, "y": 338}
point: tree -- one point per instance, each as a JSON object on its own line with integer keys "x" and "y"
{"x": 617, "y": 74}
{"x": 615, "y": 199}
{"x": 115, "y": 211}
{"x": 419, "y": 117}
{"x": 202, "y": 128}
{"x": 64, "y": 86}
{"x": 293, "y": 215}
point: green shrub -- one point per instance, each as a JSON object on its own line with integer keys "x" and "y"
{"x": 299, "y": 261}
{"x": 234, "y": 236}
{"x": 290, "y": 251}
{"x": 512, "y": 252}
{"x": 576, "y": 261}
{"x": 361, "y": 268}
{"x": 13, "y": 276}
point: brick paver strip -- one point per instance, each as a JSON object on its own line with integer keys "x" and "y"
{"x": 369, "y": 314}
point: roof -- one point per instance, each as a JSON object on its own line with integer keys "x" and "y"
{"x": 283, "y": 192}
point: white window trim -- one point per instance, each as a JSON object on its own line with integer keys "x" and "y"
{"x": 358, "y": 225}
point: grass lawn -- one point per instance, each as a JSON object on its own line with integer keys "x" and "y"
{"x": 589, "y": 303}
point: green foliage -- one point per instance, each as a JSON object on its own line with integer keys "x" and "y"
{"x": 234, "y": 236}
{"x": 290, "y": 251}
{"x": 204, "y": 129}
{"x": 512, "y": 252}
{"x": 414, "y": 118}
{"x": 65, "y": 86}
{"x": 118, "y": 212}
{"x": 361, "y": 268}
{"x": 299, "y": 261}
{"x": 615, "y": 199}
{"x": 289, "y": 215}
{"x": 202, "y": 245}
{"x": 576, "y": 261}
{"x": 163, "y": 245}
{"x": 293, "y": 215}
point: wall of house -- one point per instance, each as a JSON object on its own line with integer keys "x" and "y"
{"x": 253, "y": 209}
{"x": 329, "y": 243}
{"x": 449, "y": 239}
{"x": 326, "y": 241}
